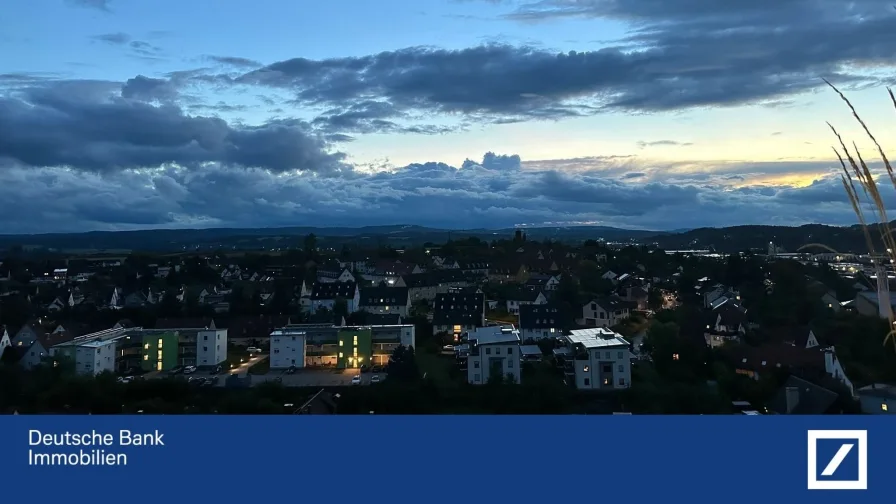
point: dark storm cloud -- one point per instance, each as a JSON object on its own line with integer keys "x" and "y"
{"x": 149, "y": 89}
{"x": 93, "y": 126}
{"x": 680, "y": 54}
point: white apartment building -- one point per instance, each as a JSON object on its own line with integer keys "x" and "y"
{"x": 493, "y": 350}
{"x": 211, "y": 347}
{"x": 600, "y": 359}
{"x": 92, "y": 353}
{"x": 288, "y": 348}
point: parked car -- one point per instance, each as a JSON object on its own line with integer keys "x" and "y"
{"x": 176, "y": 370}
{"x": 356, "y": 380}
{"x": 375, "y": 379}
{"x": 291, "y": 370}
{"x": 253, "y": 350}
{"x": 189, "y": 369}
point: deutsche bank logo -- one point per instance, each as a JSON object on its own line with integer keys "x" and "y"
{"x": 838, "y": 460}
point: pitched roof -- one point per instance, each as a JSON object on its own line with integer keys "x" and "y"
{"x": 776, "y": 356}
{"x": 543, "y": 316}
{"x": 253, "y": 327}
{"x": 458, "y": 308}
{"x": 384, "y": 296}
{"x": 612, "y": 303}
{"x": 806, "y": 398}
{"x": 333, "y": 290}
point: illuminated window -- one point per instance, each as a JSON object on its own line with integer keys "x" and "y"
{"x": 675, "y": 356}
{"x": 145, "y": 357}
{"x": 457, "y": 328}
{"x": 341, "y": 342}
{"x": 146, "y": 346}
{"x": 159, "y": 355}
{"x": 586, "y": 369}
{"x": 355, "y": 340}
{"x": 355, "y": 352}
{"x": 159, "y": 366}
{"x": 160, "y": 343}
{"x": 340, "y": 355}
{"x": 606, "y": 381}
{"x": 883, "y": 407}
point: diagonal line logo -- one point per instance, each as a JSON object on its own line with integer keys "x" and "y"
{"x": 853, "y": 470}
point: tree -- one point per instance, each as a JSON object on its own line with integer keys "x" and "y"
{"x": 310, "y": 245}
{"x": 654, "y": 299}
{"x": 402, "y": 365}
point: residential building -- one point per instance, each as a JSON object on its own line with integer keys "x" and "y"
{"x": 456, "y": 312}
{"x": 494, "y": 354}
{"x": 539, "y": 321}
{"x": 385, "y": 300}
{"x": 331, "y": 276}
{"x": 755, "y": 362}
{"x": 4, "y": 340}
{"x": 200, "y": 342}
{"x": 801, "y": 397}
{"x": 605, "y": 312}
{"x": 91, "y": 354}
{"x": 878, "y": 399}
{"x": 868, "y": 303}
{"x": 600, "y": 359}
{"x": 32, "y": 344}
{"x": 426, "y": 286}
{"x": 524, "y": 297}
{"x": 325, "y": 295}
{"x": 328, "y": 345}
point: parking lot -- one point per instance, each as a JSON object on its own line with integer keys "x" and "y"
{"x": 317, "y": 378}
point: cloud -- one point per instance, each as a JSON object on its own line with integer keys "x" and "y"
{"x": 105, "y": 127}
{"x": 663, "y": 143}
{"x": 102, "y": 5}
{"x": 234, "y": 61}
{"x": 113, "y": 38}
{"x": 678, "y": 55}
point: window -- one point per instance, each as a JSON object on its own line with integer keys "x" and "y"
{"x": 594, "y": 307}
{"x": 622, "y": 382}
{"x": 498, "y": 351}
{"x": 602, "y": 314}
{"x": 608, "y": 368}
{"x": 293, "y": 338}
{"x": 340, "y": 355}
{"x": 883, "y": 407}
{"x": 205, "y": 349}
{"x": 276, "y": 350}
{"x": 510, "y": 363}
{"x": 476, "y": 364}
{"x": 606, "y": 381}
{"x": 355, "y": 340}
{"x": 160, "y": 343}
{"x": 355, "y": 352}
{"x": 621, "y": 368}
{"x": 510, "y": 351}
{"x": 145, "y": 357}
{"x": 145, "y": 347}
{"x": 476, "y": 378}
{"x": 159, "y": 355}
{"x": 607, "y": 355}
{"x": 205, "y": 338}
{"x": 675, "y": 356}
{"x": 341, "y": 342}
{"x": 587, "y": 382}
{"x": 586, "y": 369}
{"x": 619, "y": 355}
{"x": 488, "y": 350}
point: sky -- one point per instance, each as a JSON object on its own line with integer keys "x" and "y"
{"x": 642, "y": 114}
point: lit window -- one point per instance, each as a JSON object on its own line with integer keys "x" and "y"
{"x": 586, "y": 369}
{"x": 675, "y": 356}
{"x": 340, "y": 355}
{"x": 606, "y": 381}
{"x": 341, "y": 342}
{"x": 457, "y": 328}
{"x": 355, "y": 352}
{"x": 355, "y": 340}
{"x": 145, "y": 357}
{"x": 160, "y": 343}
{"x": 146, "y": 346}
{"x": 883, "y": 407}
{"x": 160, "y": 355}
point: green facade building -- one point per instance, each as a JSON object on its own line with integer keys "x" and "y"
{"x": 355, "y": 347}
{"x": 159, "y": 351}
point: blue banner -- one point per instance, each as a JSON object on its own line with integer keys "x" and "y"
{"x": 419, "y": 459}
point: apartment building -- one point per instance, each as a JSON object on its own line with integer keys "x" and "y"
{"x": 199, "y": 342}
{"x": 599, "y": 359}
{"x": 93, "y": 353}
{"x": 494, "y": 353}
{"x": 327, "y": 345}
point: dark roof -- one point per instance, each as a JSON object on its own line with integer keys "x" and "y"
{"x": 811, "y": 399}
{"x": 185, "y": 323}
{"x": 458, "y": 308}
{"x": 777, "y": 355}
{"x": 611, "y": 303}
{"x": 333, "y": 290}
{"x": 382, "y": 319}
{"x": 732, "y": 314}
{"x": 434, "y": 278}
{"x": 384, "y": 296}
{"x": 543, "y": 316}
{"x": 253, "y": 327}
{"x": 521, "y": 294}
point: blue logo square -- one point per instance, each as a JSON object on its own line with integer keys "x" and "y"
{"x": 826, "y": 452}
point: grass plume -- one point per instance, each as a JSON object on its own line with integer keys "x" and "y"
{"x": 856, "y": 174}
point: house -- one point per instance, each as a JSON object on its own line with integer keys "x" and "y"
{"x": 456, "y": 312}
{"x": 93, "y": 353}
{"x": 331, "y": 276}
{"x": 32, "y": 344}
{"x": 728, "y": 318}
{"x": 385, "y": 300}
{"x": 523, "y": 297}
{"x": 755, "y": 362}
{"x": 425, "y": 286}
{"x": 636, "y": 295}
{"x": 599, "y": 359}
{"x": 713, "y": 295}
{"x": 325, "y": 295}
{"x": 329, "y": 345}
{"x": 494, "y": 354}
{"x": 389, "y": 271}
{"x": 878, "y": 399}
{"x": 605, "y": 312}
{"x": 801, "y": 397}
{"x": 4, "y": 340}
{"x": 515, "y": 273}
{"x": 539, "y": 321}
{"x": 868, "y": 303}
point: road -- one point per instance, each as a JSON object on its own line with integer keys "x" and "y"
{"x": 243, "y": 368}
{"x": 316, "y": 378}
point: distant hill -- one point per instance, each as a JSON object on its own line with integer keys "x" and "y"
{"x": 728, "y": 239}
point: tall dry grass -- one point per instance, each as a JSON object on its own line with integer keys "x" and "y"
{"x": 865, "y": 198}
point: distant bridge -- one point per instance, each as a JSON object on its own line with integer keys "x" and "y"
{"x": 817, "y": 245}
